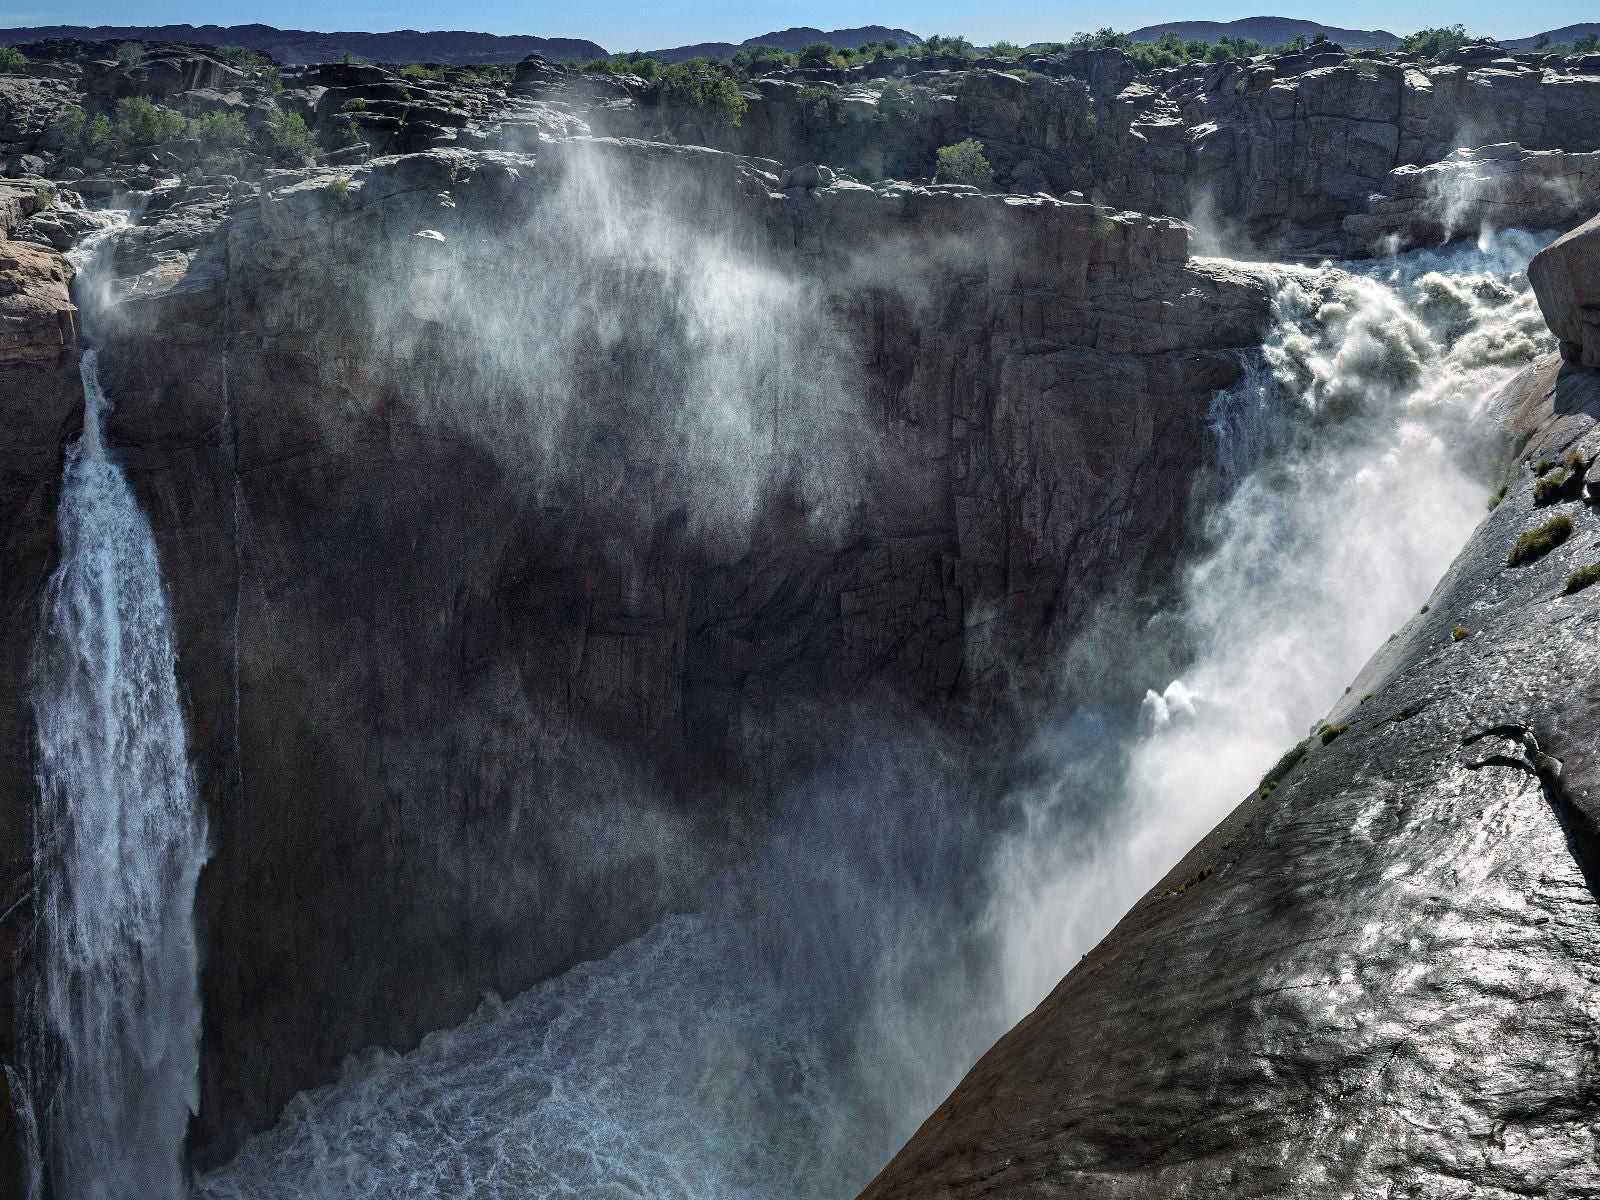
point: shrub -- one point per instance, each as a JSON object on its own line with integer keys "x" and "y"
{"x": 964, "y": 163}
{"x": 246, "y": 60}
{"x": 1004, "y": 49}
{"x": 141, "y": 122}
{"x": 418, "y": 70}
{"x": 346, "y": 133}
{"x": 288, "y": 138}
{"x": 1499, "y": 495}
{"x": 222, "y": 164}
{"x": 1279, "y": 770}
{"x": 338, "y": 190}
{"x": 219, "y": 131}
{"x": 1430, "y": 43}
{"x": 1583, "y": 577}
{"x": 1550, "y": 488}
{"x": 44, "y": 197}
{"x": 12, "y": 60}
{"x": 129, "y": 53}
{"x": 703, "y": 85}
{"x": 1460, "y": 633}
{"x": 1536, "y": 543}
{"x": 354, "y": 104}
{"x": 1328, "y": 732}
{"x": 822, "y": 50}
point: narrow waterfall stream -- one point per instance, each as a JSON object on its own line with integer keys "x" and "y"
{"x": 716, "y": 1056}
{"x": 113, "y": 1024}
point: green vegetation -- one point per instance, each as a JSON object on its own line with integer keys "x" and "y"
{"x": 1169, "y": 50}
{"x": 1279, "y": 770}
{"x": 1550, "y": 488}
{"x": 1536, "y": 543}
{"x": 219, "y": 131}
{"x": 287, "y": 137}
{"x": 44, "y": 197}
{"x": 354, "y": 104}
{"x": 1328, "y": 732}
{"x": 1583, "y": 577}
{"x": 418, "y": 70}
{"x": 704, "y": 86}
{"x": 1204, "y": 872}
{"x": 12, "y": 60}
{"x": 257, "y": 67}
{"x": 1430, "y": 43}
{"x": 129, "y": 53}
{"x": 338, "y": 190}
{"x": 140, "y": 122}
{"x": 1542, "y": 466}
{"x": 346, "y": 133}
{"x": 813, "y": 50}
{"x": 964, "y": 163}
{"x": 1499, "y": 495}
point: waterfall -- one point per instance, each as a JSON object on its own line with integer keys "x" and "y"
{"x": 113, "y": 1023}
{"x": 746, "y": 1053}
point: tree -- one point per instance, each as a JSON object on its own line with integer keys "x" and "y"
{"x": 1430, "y": 43}
{"x": 12, "y": 60}
{"x": 816, "y": 50}
{"x": 288, "y": 137}
{"x": 140, "y": 122}
{"x": 964, "y": 163}
{"x": 129, "y": 53}
{"x": 704, "y": 85}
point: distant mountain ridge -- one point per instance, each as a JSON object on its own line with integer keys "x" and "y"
{"x": 462, "y": 48}
{"x": 791, "y": 40}
{"x": 439, "y": 46}
{"x": 303, "y": 46}
{"x": 1270, "y": 31}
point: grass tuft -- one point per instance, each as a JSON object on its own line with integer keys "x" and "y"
{"x": 1583, "y": 577}
{"x": 1539, "y": 541}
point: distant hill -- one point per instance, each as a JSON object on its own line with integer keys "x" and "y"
{"x": 301, "y": 46}
{"x": 1270, "y": 31}
{"x": 1561, "y": 36}
{"x": 438, "y": 46}
{"x": 791, "y": 40}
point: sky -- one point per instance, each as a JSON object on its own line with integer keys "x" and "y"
{"x": 629, "y": 24}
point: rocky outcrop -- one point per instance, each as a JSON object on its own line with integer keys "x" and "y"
{"x": 1566, "y": 277}
{"x": 1376, "y": 978}
{"x": 1492, "y": 187}
{"x": 377, "y": 449}
{"x": 41, "y": 406}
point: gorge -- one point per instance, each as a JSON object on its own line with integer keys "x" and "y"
{"x": 649, "y": 646}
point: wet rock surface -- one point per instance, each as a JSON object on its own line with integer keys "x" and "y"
{"x": 1032, "y": 375}
{"x": 1380, "y": 976}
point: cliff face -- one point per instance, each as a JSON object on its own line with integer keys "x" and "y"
{"x": 1376, "y": 977}
{"x": 422, "y": 508}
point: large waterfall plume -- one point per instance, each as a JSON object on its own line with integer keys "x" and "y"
{"x": 112, "y": 1027}
{"x": 783, "y": 1045}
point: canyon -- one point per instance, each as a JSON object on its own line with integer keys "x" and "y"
{"x": 579, "y": 518}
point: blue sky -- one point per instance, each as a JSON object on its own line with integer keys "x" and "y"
{"x": 629, "y": 24}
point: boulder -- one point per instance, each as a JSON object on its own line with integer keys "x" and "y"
{"x": 38, "y": 322}
{"x": 1566, "y": 278}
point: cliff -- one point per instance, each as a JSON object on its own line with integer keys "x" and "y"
{"x": 1374, "y": 977}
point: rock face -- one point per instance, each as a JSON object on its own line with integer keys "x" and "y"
{"x": 1566, "y": 277}
{"x": 377, "y": 449}
{"x": 41, "y": 405}
{"x": 1379, "y": 977}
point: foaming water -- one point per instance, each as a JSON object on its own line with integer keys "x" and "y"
{"x": 112, "y": 1027}
{"x": 784, "y": 1046}
{"x": 1352, "y": 442}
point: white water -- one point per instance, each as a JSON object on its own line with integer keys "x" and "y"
{"x": 783, "y": 1050}
{"x": 113, "y": 1024}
